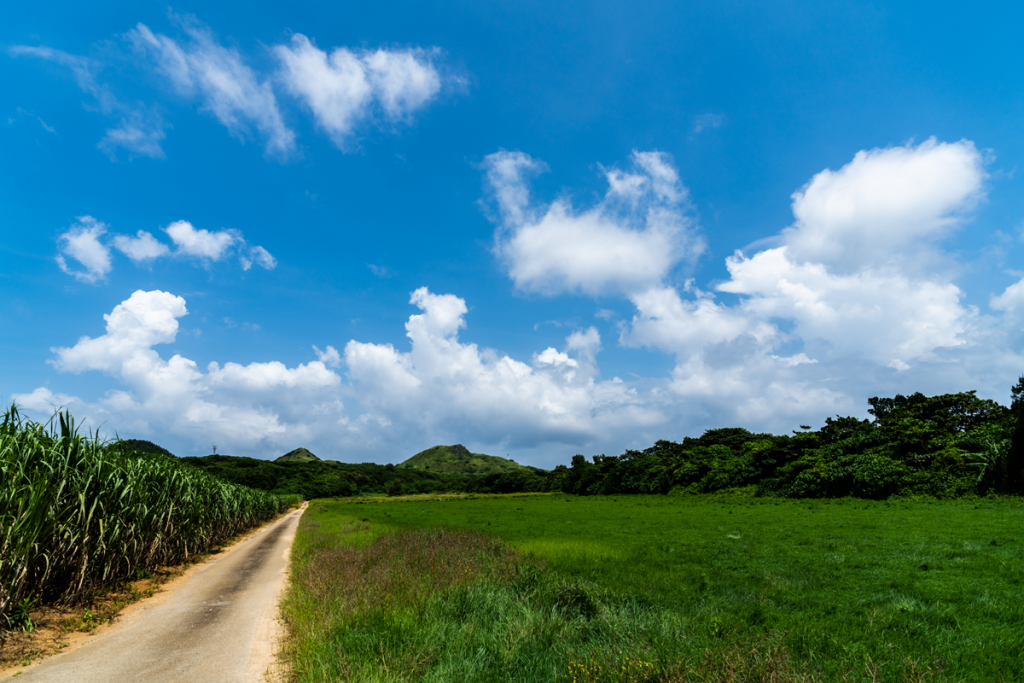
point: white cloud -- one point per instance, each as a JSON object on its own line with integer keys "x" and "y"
{"x": 342, "y": 88}
{"x": 346, "y": 90}
{"x": 140, "y": 132}
{"x": 847, "y": 281}
{"x": 878, "y": 313}
{"x": 201, "y": 243}
{"x": 664, "y": 320}
{"x": 444, "y": 385}
{"x": 507, "y": 174}
{"x": 336, "y": 89}
{"x": 141, "y": 129}
{"x": 329, "y": 357}
{"x": 216, "y": 75}
{"x": 737, "y": 386}
{"x": 142, "y": 247}
{"x": 585, "y": 343}
{"x": 260, "y": 257}
{"x": 143, "y": 320}
{"x": 242, "y": 404}
{"x": 45, "y": 402}
{"x": 876, "y": 207}
{"x": 1011, "y": 300}
{"x": 785, "y": 340}
{"x": 629, "y": 242}
{"x": 81, "y": 242}
{"x": 439, "y": 389}
{"x": 403, "y": 81}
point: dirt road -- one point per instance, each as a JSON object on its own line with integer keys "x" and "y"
{"x": 219, "y": 625}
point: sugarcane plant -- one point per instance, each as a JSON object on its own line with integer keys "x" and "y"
{"x": 79, "y": 513}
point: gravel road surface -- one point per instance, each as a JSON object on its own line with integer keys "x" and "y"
{"x": 219, "y": 624}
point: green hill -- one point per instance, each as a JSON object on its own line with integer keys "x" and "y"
{"x": 298, "y": 455}
{"x": 458, "y": 460}
{"x": 143, "y": 446}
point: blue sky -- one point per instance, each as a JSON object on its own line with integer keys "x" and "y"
{"x": 532, "y": 228}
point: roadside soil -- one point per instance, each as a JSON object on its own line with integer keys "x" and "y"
{"x": 214, "y": 620}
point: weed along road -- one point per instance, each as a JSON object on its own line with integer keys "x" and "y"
{"x": 220, "y": 624}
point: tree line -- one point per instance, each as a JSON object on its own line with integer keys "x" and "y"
{"x": 944, "y": 446}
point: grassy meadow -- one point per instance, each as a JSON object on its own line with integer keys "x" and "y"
{"x": 658, "y": 588}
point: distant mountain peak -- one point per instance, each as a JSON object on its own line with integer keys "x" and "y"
{"x": 298, "y": 455}
{"x": 458, "y": 459}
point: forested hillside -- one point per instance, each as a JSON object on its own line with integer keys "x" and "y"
{"x": 325, "y": 478}
{"x": 459, "y": 460}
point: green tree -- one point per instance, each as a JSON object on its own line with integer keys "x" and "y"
{"x": 1014, "y": 481}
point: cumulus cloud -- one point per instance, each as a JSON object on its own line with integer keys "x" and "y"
{"x": 244, "y": 404}
{"x": 847, "y": 279}
{"x": 885, "y": 201}
{"x": 220, "y": 79}
{"x": 142, "y": 247}
{"x": 329, "y": 356}
{"x": 214, "y": 245}
{"x": 443, "y": 384}
{"x": 629, "y": 242}
{"x": 201, "y": 243}
{"x": 1011, "y": 300}
{"x": 440, "y": 388}
{"x": 82, "y": 243}
{"x": 794, "y": 334}
{"x": 666, "y": 321}
{"x": 878, "y": 313}
{"x": 342, "y": 89}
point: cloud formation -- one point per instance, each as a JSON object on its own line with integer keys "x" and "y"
{"x": 203, "y": 69}
{"x": 142, "y": 247}
{"x": 884, "y": 203}
{"x": 344, "y": 88}
{"x": 140, "y": 130}
{"x": 628, "y": 242}
{"x": 345, "y": 91}
{"x": 444, "y": 385}
{"x": 82, "y": 242}
{"x": 798, "y": 331}
{"x": 437, "y": 387}
{"x": 201, "y": 243}
{"x": 240, "y": 404}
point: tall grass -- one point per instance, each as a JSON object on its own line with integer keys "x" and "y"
{"x": 434, "y": 605}
{"x": 78, "y": 513}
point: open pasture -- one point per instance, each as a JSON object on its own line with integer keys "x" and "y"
{"x": 853, "y": 585}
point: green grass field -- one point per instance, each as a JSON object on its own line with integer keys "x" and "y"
{"x": 913, "y": 590}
